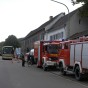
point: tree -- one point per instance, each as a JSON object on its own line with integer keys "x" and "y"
{"x": 83, "y": 12}
{"x": 78, "y": 1}
{"x": 12, "y": 41}
{"x": 1, "y": 45}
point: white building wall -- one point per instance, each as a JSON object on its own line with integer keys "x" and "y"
{"x": 50, "y": 25}
{"x": 56, "y": 32}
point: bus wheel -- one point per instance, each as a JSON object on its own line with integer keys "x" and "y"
{"x": 78, "y": 75}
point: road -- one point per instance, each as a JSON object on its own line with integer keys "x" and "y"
{"x": 13, "y": 75}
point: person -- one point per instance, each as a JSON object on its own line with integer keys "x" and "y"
{"x": 28, "y": 57}
{"x": 29, "y": 60}
{"x": 32, "y": 59}
{"x": 23, "y": 60}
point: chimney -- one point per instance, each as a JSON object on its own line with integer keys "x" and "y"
{"x": 50, "y": 17}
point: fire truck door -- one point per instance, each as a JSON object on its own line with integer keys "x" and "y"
{"x": 72, "y": 55}
{"x": 85, "y": 56}
{"x": 78, "y": 50}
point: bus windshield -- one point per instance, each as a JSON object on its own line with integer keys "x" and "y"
{"x": 7, "y": 50}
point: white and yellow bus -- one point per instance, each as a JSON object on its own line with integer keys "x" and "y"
{"x": 7, "y": 52}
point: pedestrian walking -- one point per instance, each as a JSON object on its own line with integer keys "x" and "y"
{"x": 23, "y": 60}
{"x": 29, "y": 60}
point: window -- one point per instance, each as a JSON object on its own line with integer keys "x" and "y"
{"x": 42, "y": 36}
{"x": 79, "y": 21}
{"x": 56, "y": 36}
{"x": 51, "y": 38}
{"x": 60, "y": 35}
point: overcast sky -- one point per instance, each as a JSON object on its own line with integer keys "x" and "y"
{"x": 19, "y": 17}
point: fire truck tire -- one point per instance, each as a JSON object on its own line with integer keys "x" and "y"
{"x": 62, "y": 70}
{"x": 78, "y": 75}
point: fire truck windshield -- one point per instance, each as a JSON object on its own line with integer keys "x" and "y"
{"x": 52, "y": 49}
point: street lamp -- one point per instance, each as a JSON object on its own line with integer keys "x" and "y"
{"x": 68, "y": 15}
{"x": 62, "y": 4}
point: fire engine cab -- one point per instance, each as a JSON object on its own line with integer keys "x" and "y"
{"x": 46, "y": 53}
{"x": 73, "y": 57}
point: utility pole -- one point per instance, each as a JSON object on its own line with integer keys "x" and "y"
{"x": 68, "y": 16}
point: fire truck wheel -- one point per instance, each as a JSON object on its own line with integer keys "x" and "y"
{"x": 62, "y": 70}
{"x": 78, "y": 75}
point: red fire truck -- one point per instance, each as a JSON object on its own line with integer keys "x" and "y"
{"x": 46, "y": 53}
{"x": 73, "y": 57}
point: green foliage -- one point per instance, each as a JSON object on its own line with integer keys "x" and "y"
{"x": 85, "y": 1}
{"x": 12, "y": 41}
{"x": 1, "y": 45}
{"x": 78, "y": 1}
{"x": 83, "y": 11}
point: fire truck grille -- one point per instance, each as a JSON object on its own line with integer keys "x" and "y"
{"x": 53, "y": 58}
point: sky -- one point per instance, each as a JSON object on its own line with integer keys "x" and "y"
{"x": 19, "y": 17}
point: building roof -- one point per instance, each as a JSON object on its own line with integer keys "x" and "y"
{"x": 62, "y": 21}
{"x": 42, "y": 27}
{"x": 80, "y": 34}
{"x": 20, "y": 39}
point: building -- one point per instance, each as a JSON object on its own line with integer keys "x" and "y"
{"x": 40, "y": 32}
{"x": 70, "y": 26}
{"x": 62, "y": 26}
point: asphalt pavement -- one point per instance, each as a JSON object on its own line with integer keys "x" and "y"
{"x": 13, "y": 75}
